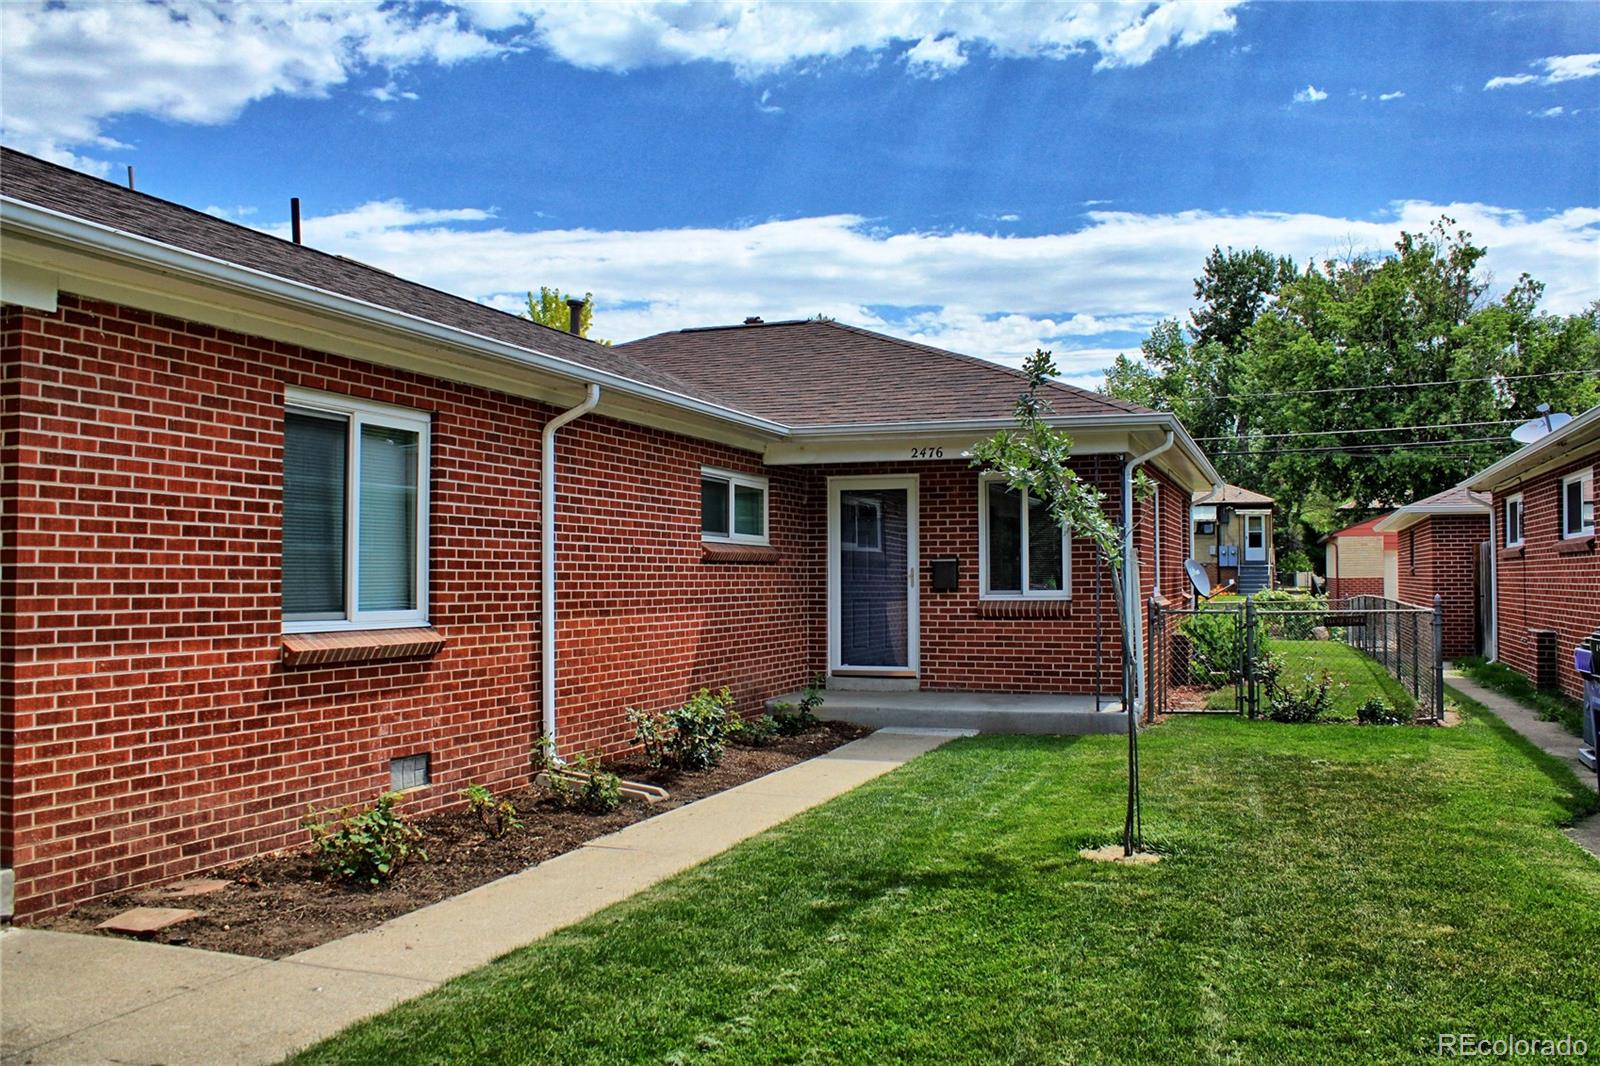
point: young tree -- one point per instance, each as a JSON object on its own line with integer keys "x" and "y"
{"x": 548, "y": 307}
{"x": 1034, "y": 458}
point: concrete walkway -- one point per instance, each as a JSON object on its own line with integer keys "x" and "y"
{"x": 71, "y": 998}
{"x": 1549, "y": 737}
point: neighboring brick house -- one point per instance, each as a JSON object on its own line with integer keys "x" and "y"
{"x": 1546, "y": 570}
{"x": 1437, "y": 544}
{"x": 1231, "y": 536}
{"x": 1356, "y": 564}
{"x": 273, "y": 533}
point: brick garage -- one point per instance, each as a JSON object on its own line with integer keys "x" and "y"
{"x": 1355, "y": 560}
{"x": 1437, "y": 541}
{"x": 1547, "y": 588}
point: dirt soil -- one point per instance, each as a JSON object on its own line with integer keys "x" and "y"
{"x": 277, "y": 905}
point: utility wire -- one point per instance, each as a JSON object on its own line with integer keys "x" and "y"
{"x": 1375, "y": 429}
{"x": 1403, "y": 385}
{"x": 1368, "y": 448}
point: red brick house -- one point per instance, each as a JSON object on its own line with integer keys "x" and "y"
{"x": 281, "y": 529}
{"x": 1437, "y": 543}
{"x": 1546, "y": 570}
{"x": 1356, "y": 561}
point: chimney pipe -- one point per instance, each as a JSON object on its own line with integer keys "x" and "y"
{"x": 294, "y": 217}
{"x": 575, "y": 317}
{"x": 130, "y": 178}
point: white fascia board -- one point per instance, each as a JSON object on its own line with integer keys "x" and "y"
{"x": 1525, "y": 461}
{"x": 20, "y": 217}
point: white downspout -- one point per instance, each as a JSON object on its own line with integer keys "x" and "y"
{"x": 1130, "y": 575}
{"x": 1491, "y": 642}
{"x": 547, "y": 563}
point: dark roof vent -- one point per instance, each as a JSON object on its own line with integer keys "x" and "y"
{"x": 753, "y": 320}
{"x": 294, "y": 218}
{"x": 575, "y": 317}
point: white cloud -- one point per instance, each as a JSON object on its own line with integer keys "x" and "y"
{"x": 70, "y": 67}
{"x": 934, "y": 57}
{"x": 1549, "y": 112}
{"x": 767, "y": 108}
{"x": 1557, "y": 69}
{"x": 1310, "y": 95}
{"x": 757, "y": 39}
{"x": 1386, "y": 97}
{"x": 1088, "y": 294}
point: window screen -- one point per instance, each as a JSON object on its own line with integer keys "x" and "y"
{"x": 714, "y": 506}
{"x": 388, "y": 519}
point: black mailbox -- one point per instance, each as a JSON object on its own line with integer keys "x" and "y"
{"x": 945, "y": 574}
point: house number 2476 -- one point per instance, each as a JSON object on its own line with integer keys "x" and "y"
{"x": 927, "y": 453}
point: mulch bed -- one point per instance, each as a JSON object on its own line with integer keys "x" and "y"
{"x": 277, "y": 905}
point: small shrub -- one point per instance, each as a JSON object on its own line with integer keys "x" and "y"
{"x": 1294, "y": 562}
{"x": 1290, "y": 615}
{"x": 365, "y": 847}
{"x": 1307, "y": 704}
{"x": 1216, "y": 647}
{"x": 599, "y": 792}
{"x": 757, "y": 732}
{"x": 792, "y": 719}
{"x": 497, "y": 816}
{"x": 1375, "y": 712}
{"x": 690, "y": 737}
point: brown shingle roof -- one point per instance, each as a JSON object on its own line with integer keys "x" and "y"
{"x": 1456, "y": 496}
{"x": 811, "y": 373}
{"x": 807, "y": 373}
{"x": 1230, "y": 494}
{"x": 57, "y": 188}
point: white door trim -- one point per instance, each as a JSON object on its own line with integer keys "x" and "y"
{"x": 1257, "y": 555}
{"x": 913, "y": 611}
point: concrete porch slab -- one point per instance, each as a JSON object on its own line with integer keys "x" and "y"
{"x": 983, "y": 712}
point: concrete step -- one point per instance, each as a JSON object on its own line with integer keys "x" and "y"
{"x": 1037, "y": 714}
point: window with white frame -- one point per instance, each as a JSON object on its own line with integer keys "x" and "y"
{"x": 1022, "y": 552}
{"x": 355, "y": 514}
{"x": 1577, "y": 504}
{"x": 733, "y": 506}
{"x": 1513, "y": 521}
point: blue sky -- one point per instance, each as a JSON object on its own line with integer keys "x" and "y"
{"x": 985, "y": 177}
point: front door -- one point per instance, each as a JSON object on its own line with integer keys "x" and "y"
{"x": 872, "y": 576}
{"x": 1255, "y": 538}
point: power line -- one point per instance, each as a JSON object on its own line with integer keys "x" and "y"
{"x": 1355, "y": 449}
{"x": 1375, "y": 429}
{"x": 1402, "y": 385}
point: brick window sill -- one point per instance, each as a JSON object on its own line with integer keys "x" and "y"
{"x": 1510, "y": 554}
{"x": 738, "y": 553}
{"x": 360, "y": 646}
{"x": 1022, "y": 608}
{"x": 1576, "y": 545}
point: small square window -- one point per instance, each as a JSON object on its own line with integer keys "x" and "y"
{"x": 733, "y": 506}
{"x": 410, "y": 771}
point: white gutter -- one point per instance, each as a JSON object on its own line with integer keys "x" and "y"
{"x": 1493, "y": 476}
{"x": 94, "y": 237}
{"x": 1130, "y": 579}
{"x": 547, "y": 564}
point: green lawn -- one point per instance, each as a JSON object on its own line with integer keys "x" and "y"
{"x": 1330, "y": 894}
{"x": 1364, "y": 676}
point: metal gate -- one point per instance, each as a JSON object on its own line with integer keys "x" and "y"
{"x": 1197, "y": 661}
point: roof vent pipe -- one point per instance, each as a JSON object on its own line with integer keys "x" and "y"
{"x": 754, "y": 320}
{"x": 575, "y": 317}
{"x": 130, "y": 179}
{"x": 294, "y": 218}
{"x": 547, "y": 564}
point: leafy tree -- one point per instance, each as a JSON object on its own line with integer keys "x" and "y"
{"x": 1274, "y": 354}
{"x": 548, "y": 307}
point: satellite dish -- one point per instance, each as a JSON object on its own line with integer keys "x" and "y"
{"x": 1536, "y": 428}
{"x": 1198, "y": 577}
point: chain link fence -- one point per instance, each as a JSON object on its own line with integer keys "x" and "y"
{"x": 1215, "y": 658}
